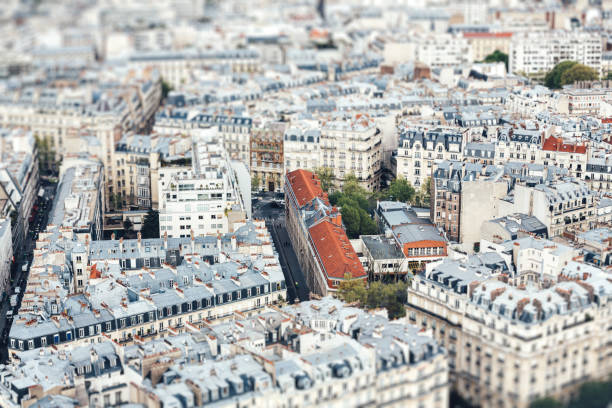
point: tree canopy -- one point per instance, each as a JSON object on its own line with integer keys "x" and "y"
{"x": 577, "y": 73}
{"x": 568, "y": 72}
{"x": 391, "y": 296}
{"x": 150, "y": 226}
{"x": 593, "y": 394}
{"x": 355, "y": 207}
{"x": 326, "y": 176}
{"x": 497, "y": 56}
{"x": 401, "y": 190}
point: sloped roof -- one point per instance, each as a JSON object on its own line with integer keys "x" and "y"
{"x": 335, "y": 251}
{"x": 306, "y": 187}
{"x": 554, "y": 144}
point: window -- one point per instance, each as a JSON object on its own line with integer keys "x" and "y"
{"x": 30, "y": 344}
{"x": 43, "y": 341}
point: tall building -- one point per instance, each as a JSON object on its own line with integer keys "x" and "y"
{"x": 353, "y": 146}
{"x": 19, "y": 181}
{"x": 511, "y": 343}
{"x": 457, "y": 204}
{"x": 534, "y": 53}
{"x": 419, "y": 150}
{"x": 267, "y": 156}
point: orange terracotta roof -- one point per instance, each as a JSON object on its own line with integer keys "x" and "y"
{"x": 335, "y": 251}
{"x": 94, "y": 273}
{"x": 554, "y": 144}
{"x": 487, "y": 35}
{"x": 306, "y": 186}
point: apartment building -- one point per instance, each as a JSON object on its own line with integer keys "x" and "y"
{"x": 457, "y": 205}
{"x": 579, "y": 102}
{"x": 572, "y": 156}
{"x": 598, "y": 174}
{"x": 533, "y": 53}
{"x": 79, "y": 197}
{"x": 6, "y": 254}
{"x": 267, "y": 156}
{"x": 485, "y": 43}
{"x": 235, "y": 131}
{"x": 135, "y": 169}
{"x": 62, "y": 118}
{"x": 19, "y": 181}
{"x": 560, "y": 205}
{"x": 419, "y": 150}
{"x": 353, "y": 146}
{"x": 317, "y": 236}
{"x": 516, "y": 143}
{"x": 203, "y": 198}
{"x": 176, "y": 66}
{"x": 444, "y": 50}
{"x": 137, "y": 290}
{"x": 310, "y": 354}
{"x": 301, "y": 147}
{"x": 511, "y": 344}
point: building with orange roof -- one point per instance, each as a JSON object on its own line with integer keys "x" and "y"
{"x": 559, "y": 152}
{"x": 317, "y": 236}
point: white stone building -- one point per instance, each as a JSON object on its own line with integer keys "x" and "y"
{"x": 205, "y": 198}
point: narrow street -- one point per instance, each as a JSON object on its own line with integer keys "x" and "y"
{"x": 275, "y": 221}
{"x": 18, "y": 276}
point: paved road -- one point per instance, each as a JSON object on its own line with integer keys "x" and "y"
{"x": 19, "y": 278}
{"x": 275, "y": 221}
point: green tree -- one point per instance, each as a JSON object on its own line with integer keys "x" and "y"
{"x": 352, "y": 290}
{"x": 423, "y": 196}
{"x": 593, "y": 395}
{"x": 577, "y": 73}
{"x": 391, "y": 296}
{"x": 401, "y": 190}
{"x": 351, "y": 218}
{"x": 255, "y": 182}
{"x": 553, "y": 78}
{"x": 497, "y": 56}
{"x": 545, "y": 403}
{"x": 150, "y": 226}
{"x": 326, "y": 177}
{"x": 166, "y": 88}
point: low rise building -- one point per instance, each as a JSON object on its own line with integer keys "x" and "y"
{"x": 419, "y": 239}
{"x": 512, "y": 227}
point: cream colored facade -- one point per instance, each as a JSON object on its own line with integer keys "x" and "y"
{"x": 353, "y": 147}
{"x": 501, "y": 362}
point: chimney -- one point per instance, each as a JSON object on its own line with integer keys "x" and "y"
{"x": 121, "y": 244}
{"x": 219, "y": 242}
{"x": 234, "y": 242}
{"x": 139, "y": 241}
{"x": 113, "y": 236}
{"x": 166, "y": 240}
{"x": 192, "y": 242}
